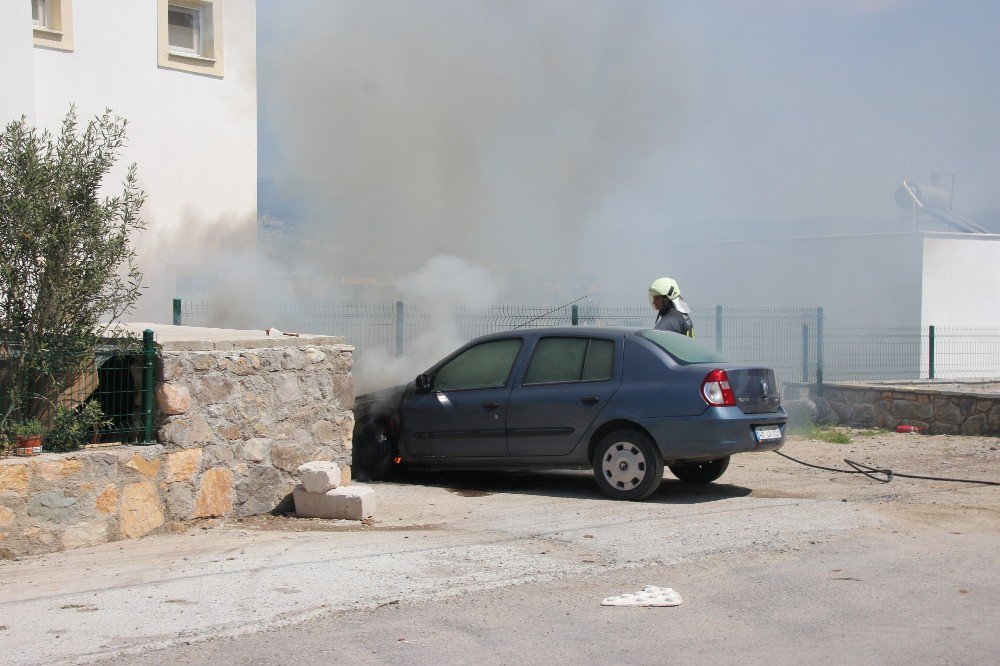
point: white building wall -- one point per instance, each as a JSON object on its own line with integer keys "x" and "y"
{"x": 17, "y": 81}
{"x": 193, "y": 136}
{"x": 961, "y": 280}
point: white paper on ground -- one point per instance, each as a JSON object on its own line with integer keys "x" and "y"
{"x": 647, "y": 596}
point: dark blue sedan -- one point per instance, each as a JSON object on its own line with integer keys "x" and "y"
{"x": 623, "y": 402}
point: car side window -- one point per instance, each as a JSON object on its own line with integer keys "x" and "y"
{"x": 487, "y": 365}
{"x": 600, "y": 362}
{"x": 561, "y": 359}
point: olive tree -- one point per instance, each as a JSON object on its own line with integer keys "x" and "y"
{"x": 66, "y": 259}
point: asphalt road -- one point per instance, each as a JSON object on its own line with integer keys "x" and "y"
{"x": 776, "y": 563}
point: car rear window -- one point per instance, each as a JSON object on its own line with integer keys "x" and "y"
{"x": 682, "y": 348}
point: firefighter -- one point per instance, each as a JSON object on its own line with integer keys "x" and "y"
{"x": 672, "y": 312}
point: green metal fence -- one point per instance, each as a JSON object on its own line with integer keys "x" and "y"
{"x": 798, "y": 343}
{"x": 116, "y": 376}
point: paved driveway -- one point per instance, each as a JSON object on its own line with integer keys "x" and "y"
{"x": 778, "y": 562}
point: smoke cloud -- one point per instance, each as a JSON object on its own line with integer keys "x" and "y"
{"x": 529, "y": 137}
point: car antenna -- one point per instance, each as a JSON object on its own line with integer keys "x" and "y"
{"x": 564, "y": 305}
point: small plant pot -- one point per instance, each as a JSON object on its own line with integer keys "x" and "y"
{"x": 28, "y": 445}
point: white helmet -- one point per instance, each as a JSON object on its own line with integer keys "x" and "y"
{"x": 666, "y": 287}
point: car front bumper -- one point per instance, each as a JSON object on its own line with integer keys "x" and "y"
{"x": 717, "y": 432}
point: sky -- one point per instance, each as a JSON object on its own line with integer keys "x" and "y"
{"x": 521, "y": 137}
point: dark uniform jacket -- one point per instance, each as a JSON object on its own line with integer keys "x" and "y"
{"x": 672, "y": 319}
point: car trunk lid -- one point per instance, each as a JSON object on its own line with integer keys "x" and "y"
{"x": 756, "y": 389}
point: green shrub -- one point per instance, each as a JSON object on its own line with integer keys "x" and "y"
{"x": 72, "y": 428}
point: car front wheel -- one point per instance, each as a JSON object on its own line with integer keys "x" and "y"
{"x": 374, "y": 452}
{"x": 627, "y": 465}
{"x": 700, "y": 472}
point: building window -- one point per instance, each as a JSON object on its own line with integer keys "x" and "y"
{"x": 190, "y": 35}
{"x": 52, "y": 21}
{"x": 40, "y": 14}
{"x": 184, "y": 29}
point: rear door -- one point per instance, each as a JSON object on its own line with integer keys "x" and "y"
{"x": 565, "y": 385}
{"x": 464, "y": 414}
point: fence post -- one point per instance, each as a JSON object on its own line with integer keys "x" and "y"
{"x": 819, "y": 350}
{"x": 399, "y": 328}
{"x": 177, "y": 312}
{"x": 805, "y": 353}
{"x": 930, "y": 351}
{"x": 718, "y": 328}
{"x": 574, "y": 317}
{"x": 147, "y": 393}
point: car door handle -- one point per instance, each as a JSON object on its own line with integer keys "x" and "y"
{"x": 590, "y": 400}
{"x": 490, "y": 405}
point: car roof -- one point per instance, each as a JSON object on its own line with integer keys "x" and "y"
{"x": 564, "y": 330}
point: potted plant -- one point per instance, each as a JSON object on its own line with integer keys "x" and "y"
{"x": 27, "y": 435}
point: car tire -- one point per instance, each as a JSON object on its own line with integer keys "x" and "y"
{"x": 375, "y": 452}
{"x": 627, "y": 465}
{"x": 700, "y": 472}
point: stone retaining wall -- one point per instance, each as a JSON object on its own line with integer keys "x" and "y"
{"x": 933, "y": 410}
{"x": 236, "y": 417}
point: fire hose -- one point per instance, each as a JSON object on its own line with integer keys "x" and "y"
{"x": 883, "y": 475}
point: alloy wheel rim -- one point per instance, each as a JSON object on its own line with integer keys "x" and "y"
{"x": 624, "y": 466}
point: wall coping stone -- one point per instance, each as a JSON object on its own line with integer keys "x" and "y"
{"x": 922, "y": 387}
{"x": 198, "y": 338}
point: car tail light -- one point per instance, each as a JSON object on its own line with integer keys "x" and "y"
{"x": 716, "y": 391}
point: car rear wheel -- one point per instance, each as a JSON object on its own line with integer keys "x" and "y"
{"x": 627, "y": 465}
{"x": 700, "y": 472}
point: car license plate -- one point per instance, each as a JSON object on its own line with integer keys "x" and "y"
{"x": 767, "y": 433}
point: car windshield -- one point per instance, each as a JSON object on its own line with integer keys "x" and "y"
{"x": 683, "y": 349}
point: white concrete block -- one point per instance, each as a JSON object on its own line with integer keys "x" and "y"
{"x": 346, "y": 502}
{"x": 319, "y": 476}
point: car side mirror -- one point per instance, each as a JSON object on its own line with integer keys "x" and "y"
{"x": 423, "y": 383}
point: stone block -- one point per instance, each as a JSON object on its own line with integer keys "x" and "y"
{"x": 343, "y": 392}
{"x": 886, "y": 421}
{"x": 315, "y": 355}
{"x": 57, "y": 470}
{"x": 87, "y": 533}
{"x": 974, "y": 425}
{"x": 294, "y": 359}
{"x": 53, "y": 506}
{"x": 202, "y": 361}
{"x": 947, "y": 412}
{"x": 173, "y": 367}
{"x": 218, "y": 455}
{"x": 324, "y": 431}
{"x": 172, "y": 399}
{"x": 261, "y": 491}
{"x": 140, "y": 511}
{"x": 182, "y": 465}
{"x": 256, "y": 449}
{"x": 289, "y": 455}
{"x": 213, "y": 389}
{"x": 107, "y": 501}
{"x": 143, "y": 466}
{"x": 6, "y": 516}
{"x": 215, "y": 494}
{"x": 346, "y": 502}
{"x": 179, "y": 500}
{"x": 863, "y": 415}
{"x": 939, "y": 428}
{"x": 319, "y": 476}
